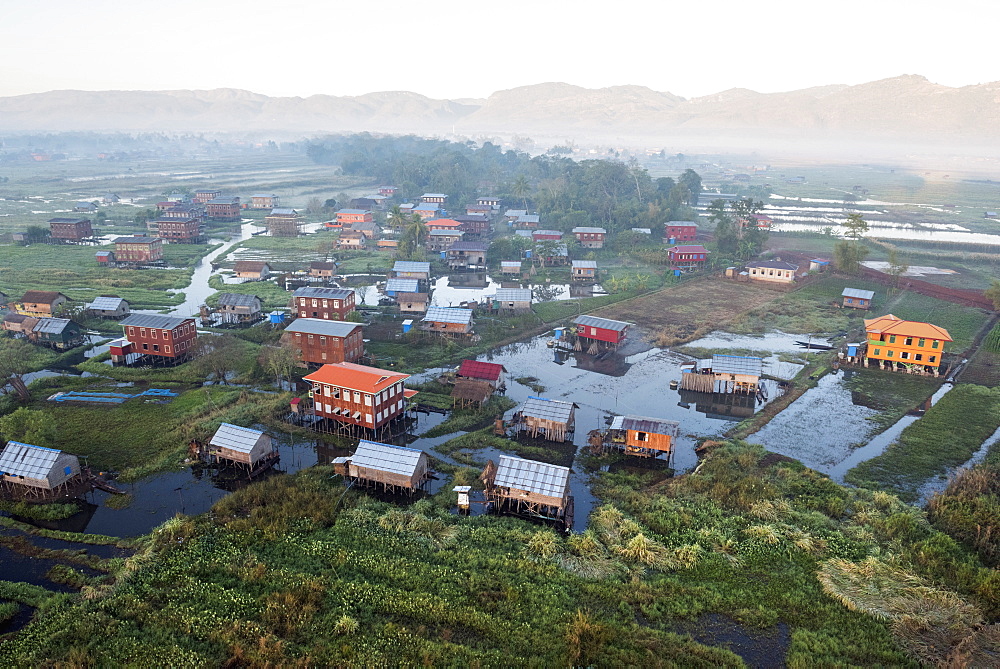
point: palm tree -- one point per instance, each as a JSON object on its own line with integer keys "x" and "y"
{"x": 520, "y": 188}
{"x": 397, "y": 218}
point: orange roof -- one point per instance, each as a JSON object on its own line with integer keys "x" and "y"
{"x": 896, "y": 326}
{"x": 409, "y": 392}
{"x": 444, "y": 223}
{"x": 356, "y": 377}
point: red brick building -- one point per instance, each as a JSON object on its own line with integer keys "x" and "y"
{"x": 203, "y": 195}
{"x": 688, "y": 257}
{"x": 352, "y": 394}
{"x": 474, "y": 224}
{"x": 679, "y": 231}
{"x": 329, "y": 304}
{"x": 319, "y": 342}
{"x": 179, "y": 230}
{"x": 347, "y": 217}
{"x": 590, "y": 238}
{"x": 138, "y": 249}
{"x": 71, "y": 229}
{"x": 264, "y": 201}
{"x": 167, "y": 337}
{"x": 223, "y": 209}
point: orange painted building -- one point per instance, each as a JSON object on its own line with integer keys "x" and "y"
{"x": 893, "y": 340}
{"x": 358, "y": 395}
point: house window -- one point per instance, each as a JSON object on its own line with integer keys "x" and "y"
{"x": 357, "y": 397}
{"x": 142, "y": 332}
{"x": 892, "y": 339}
{"x": 921, "y": 343}
{"x": 876, "y": 351}
{"x": 368, "y": 400}
{"x": 152, "y": 333}
{"x": 156, "y": 347}
{"x": 642, "y": 436}
{"x": 131, "y": 331}
{"x": 166, "y": 349}
{"x": 918, "y": 357}
{"x": 888, "y": 354}
{"x": 310, "y": 337}
{"x": 909, "y": 341}
{"x": 933, "y": 358}
{"x": 145, "y": 347}
{"x": 934, "y": 344}
{"x": 905, "y": 355}
{"x": 368, "y": 418}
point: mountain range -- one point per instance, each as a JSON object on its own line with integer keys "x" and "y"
{"x": 899, "y": 108}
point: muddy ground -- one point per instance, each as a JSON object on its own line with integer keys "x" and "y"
{"x": 690, "y": 310}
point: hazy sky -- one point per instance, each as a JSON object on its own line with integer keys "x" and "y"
{"x": 470, "y": 48}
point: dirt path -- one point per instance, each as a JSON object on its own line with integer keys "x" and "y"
{"x": 678, "y": 314}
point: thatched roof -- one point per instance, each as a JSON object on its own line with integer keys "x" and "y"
{"x": 471, "y": 390}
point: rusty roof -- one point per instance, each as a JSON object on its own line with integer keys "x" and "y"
{"x": 41, "y": 296}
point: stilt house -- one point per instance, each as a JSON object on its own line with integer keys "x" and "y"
{"x": 647, "y": 437}
{"x": 242, "y": 445}
{"x": 36, "y": 471}
{"x": 584, "y": 270}
{"x": 490, "y": 372}
{"x": 596, "y": 332}
{"x": 550, "y": 419}
{"x": 470, "y": 392}
{"x": 512, "y": 299}
{"x": 447, "y": 321}
{"x": 528, "y": 486}
{"x": 393, "y": 468}
{"x": 727, "y": 374}
{"x": 239, "y": 308}
{"x": 108, "y": 306}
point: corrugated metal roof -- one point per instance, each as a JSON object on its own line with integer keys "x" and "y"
{"x": 510, "y": 263}
{"x": 51, "y": 325}
{"x": 355, "y": 212}
{"x": 106, "y": 303}
{"x": 858, "y": 293}
{"x": 643, "y": 424}
{"x": 584, "y": 229}
{"x": 322, "y": 327}
{"x": 541, "y": 407}
{"x": 773, "y": 264}
{"x": 539, "y": 233}
{"x": 154, "y": 321}
{"x": 448, "y": 315}
{"x": 537, "y": 477}
{"x": 283, "y": 211}
{"x": 481, "y": 370}
{"x": 603, "y": 323}
{"x": 737, "y": 364}
{"x": 386, "y": 458}
{"x": 236, "y": 438}
{"x": 411, "y": 266}
{"x": 402, "y": 285}
{"x": 327, "y": 293}
{"x": 468, "y": 246}
{"x": 446, "y": 233}
{"x": 513, "y": 295}
{"x": 34, "y": 462}
{"x": 238, "y": 300}
{"x": 585, "y": 264}
{"x": 138, "y": 239}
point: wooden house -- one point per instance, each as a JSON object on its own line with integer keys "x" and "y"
{"x": 554, "y": 255}
{"x": 491, "y": 201}
{"x": 386, "y": 245}
{"x": 474, "y": 225}
{"x": 479, "y": 210}
{"x": 510, "y": 267}
{"x": 283, "y": 222}
{"x": 224, "y": 209}
{"x": 351, "y": 395}
{"x": 369, "y": 229}
{"x": 392, "y": 468}
{"x": 427, "y": 211}
{"x": 584, "y": 270}
{"x": 689, "y": 257}
{"x": 442, "y": 240}
{"x": 511, "y": 215}
{"x": 58, "y": 333}
{"x": 105, "y": 258}
{"x": 70, "y": 229}
{"x": 183, "y": 211}
{"x": 406, "y": 269}
{"x": 490, "y": 372}
{"x": 394, "y": 286}
{"x": 467, "y": 255}
{"x": 447, "y": 321}
{"x": 242, "y": 446}
{"x": 264, "y": 201}
{"x": 28, "y": 471}
{"x": 857, "y": 298}
{"x": 413, "y": 303}
{"x": 524, "y": 486}
{"x": 819, "y": 265}
{"x": 725, "y": 374}
{"x": 595, "y": 332}
{"x": 679, "y": 231}
{"x": 387, "y": 191}
{"x": 548, "y": 419}
{"x": 322, "y": 270}
{"x": 319, "y": 342}
{"x": 348, "y": 217}
{"x": 251, "y": 270}
{"x": 239, "y": 308}
{"x": 349, "y": 239}
{"x": 443, "y": 224}
{"x": 894, "y": 343}
{"x": 179, "y": 230}
{"x": 85, "y": 207}
{"x": 19, "y": 324}
{"x": 168, "y": 338}
{"x": 108, "y": 306}
{"x": 512, "y": 300}
{"x": 646, "y": 437}
{"x": 590, "y": 238}
{"x": 40, "y": 303}
{"x": 331, "y": 304}
{"x": 774, "y": 271}
{"x": 138, "y": 250}
{"x": 439, "y": 198}
{"x": 470, "y": 393}
{"x": 527, "y": 222}
{"x": 203, "y": 195}
{"x": 542, "y": 235}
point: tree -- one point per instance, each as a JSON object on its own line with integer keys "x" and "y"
{"x": 847, "y": 256}
{"x": 692, "y": 181}
{"x": 218, "y": 355}
{"x": 35, "y": 234}
{"x": 897, "y": 267}
{"x": 278, "y": 361}
{"x": 15, "y": 363}
{"x": 993, "y": 293}
{"x": 314, "y": 206}
{"x": 330, "y": 203}
{"x": 28, "y": 426}
{"x": 855, "y": 226}
{"x": 520, "y": 189}
{"x": 397, "y": 218}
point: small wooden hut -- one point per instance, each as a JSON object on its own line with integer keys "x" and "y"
{"x": 393, "y": 468}
{"x": 490, "y": 372}
{"x": 242, "y": 446}
{"x": 527, "y": 486}
{"x": 36, "y": 472}
{"x": 550, "y": 419}
{"x": 856, "y": 298}
{"x": 725, "y": 374}
{"x": 642, "y": 436}
{"x": 470, "y": 392}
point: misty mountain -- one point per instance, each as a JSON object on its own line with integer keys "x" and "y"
{"x": 900, "y": 107}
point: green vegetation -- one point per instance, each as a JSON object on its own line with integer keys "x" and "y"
{"x": 892, "y": 395}
{"x": 992, "y": 340}
{"x": 53, "y": 511}
{"x": 947, "y": 436}
{"x": 962, "y": 323}
{"x": 969, "y": 509}
{"x": 7, "y": 611}
{"x": 300, "y": 575}
{"x": 531, "y": 382}
{"x": 472, "y": 418}
{"x": 271, "y": 294}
